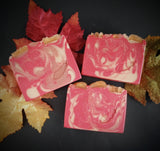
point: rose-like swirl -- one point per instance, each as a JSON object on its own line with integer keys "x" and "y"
{"x": 105, "y": 113}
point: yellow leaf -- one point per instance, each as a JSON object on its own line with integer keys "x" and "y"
{"x": 10, "y": 114}
{"x": 12, "y": 104}
{"x": 37, "y": 113}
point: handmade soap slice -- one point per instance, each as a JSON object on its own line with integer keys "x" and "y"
{"x": 96, "y": 107}
{"x": 114, "y": 57}
{"x": 41, "y": 67}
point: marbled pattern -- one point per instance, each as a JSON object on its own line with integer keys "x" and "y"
{"x": 44, "y": 67}
{"x": 114, "y": 58}
{"x": 96, "y": 109}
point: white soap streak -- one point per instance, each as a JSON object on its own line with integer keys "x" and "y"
{"x": 96, "y": 45}
{"x": 44, "y": 89}
{"x": 126, "y": 75}
{"x": 38, "y": 70}
{"x": 71, "y": 73}
{"x": 103, "y": 63}
{"x": 21, "y": 73}
{"x": 32, "y": 92}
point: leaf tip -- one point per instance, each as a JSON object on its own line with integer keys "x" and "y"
{"x": 32, "y": 6}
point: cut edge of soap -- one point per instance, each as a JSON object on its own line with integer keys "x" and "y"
{"x": 45, "y": 40}
{"x": 131, "y": 38}
{"x": 100, "y": 84}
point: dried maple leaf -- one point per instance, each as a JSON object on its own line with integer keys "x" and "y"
{"x": 21, "y": 42}
{"x": 11, "y": 106}
{"x": 73, "y": 33}
{"x": 137, "y": 91}
{"x": 40, "y": 23}
{"x": 150, "y": 81}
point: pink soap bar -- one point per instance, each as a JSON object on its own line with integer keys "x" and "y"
{"x": 96, "y": 108}
{"x": 114, "y": 57}
{"x": 41, "y": 67}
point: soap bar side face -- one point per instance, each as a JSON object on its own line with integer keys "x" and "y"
{"x": 96, "y": 109}
{"x": 114, "y": 57}
{"x": 44, "y": 67}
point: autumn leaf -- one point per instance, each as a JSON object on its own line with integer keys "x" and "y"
{"x": 36, "y": 112}
{"x": 78, "y": 57}
{"x": 45, "y": 24}
{"x": 10, "y": 113}
{"x": 73, "y": 33}
{"x": 32, "y": 7}
{"x": 40, "y": 23}
{"x": 11, "y": 106}
{"x": 9, "y": 80}
{"x": 150, "y": 81}
{"x": 21, "y": 42}
{"x": 137, "y": 92}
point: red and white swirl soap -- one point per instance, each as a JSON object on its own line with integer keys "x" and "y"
{"x": 43, "y": 66}
{"x": 114, "y": 57}
{"x": 96, "y": 107}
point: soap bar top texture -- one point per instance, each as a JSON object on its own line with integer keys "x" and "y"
{"x": 114, "y": 56}
{"x": 96, "y": 107}
{"x": 43, "y": 66}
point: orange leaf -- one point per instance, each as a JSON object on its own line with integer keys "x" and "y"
{"x": 10, "y": 80}
{"x": 21, "y": 42}
{"x": 49, "y": 95}
{"x": 32, "y": 6}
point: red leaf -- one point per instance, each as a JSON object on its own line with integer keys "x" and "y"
{"x": 73, "y": 33}
{"x": 40, "y": 23}
{"x": 21, "y": 42}
{"x": 78, "y": 57}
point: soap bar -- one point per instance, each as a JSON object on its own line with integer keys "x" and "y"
{"x": 95, "y": 107}
{"x": 43, "y": 66}
{"x": 115, "y": 57}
